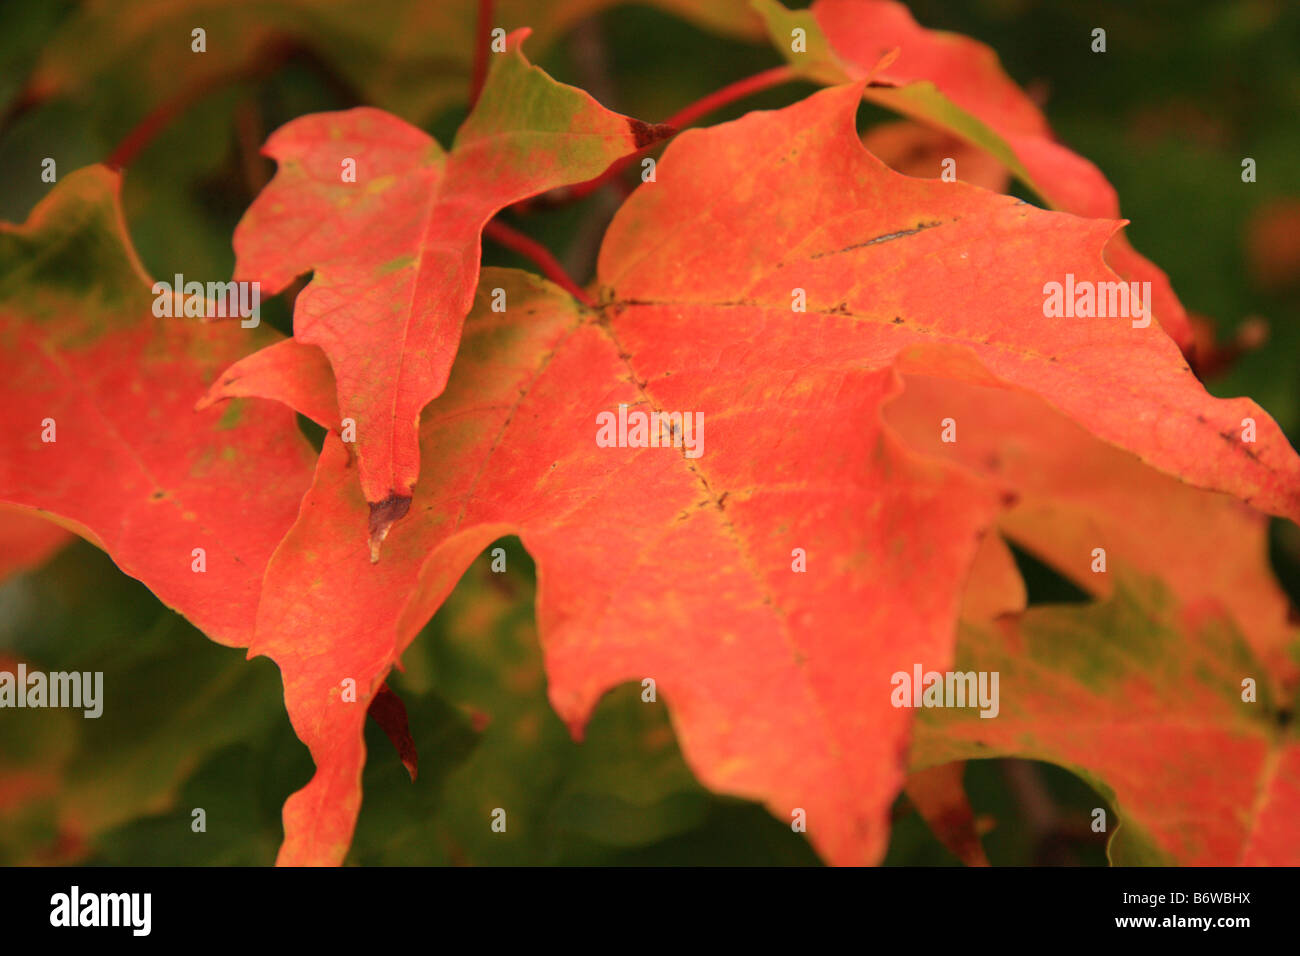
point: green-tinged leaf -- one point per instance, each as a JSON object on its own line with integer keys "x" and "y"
{"x": 1151, "y": 710}
{"x": 99, "y": 429}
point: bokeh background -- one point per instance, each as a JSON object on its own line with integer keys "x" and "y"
{"x": 1185, "y": 91}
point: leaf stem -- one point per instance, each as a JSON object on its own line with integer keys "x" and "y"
{"x": 730, "y": 93}
{"x": 541, "y": 256}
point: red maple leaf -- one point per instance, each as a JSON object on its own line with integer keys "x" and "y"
{"x": 389, "y": 223}
{"x": 658, "y": 562}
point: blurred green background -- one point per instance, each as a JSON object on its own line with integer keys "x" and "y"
{"x": 1184, "y": 92}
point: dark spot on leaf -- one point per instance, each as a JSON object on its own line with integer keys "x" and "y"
{"x": 382, "y": 516}
{"x": 887, "y": 237}
{"x": 1231, "y": 439}
{"x": 644, "y": 133}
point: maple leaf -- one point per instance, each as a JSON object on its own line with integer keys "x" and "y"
{"x": 99, "y": 429}
{"x": 957, "y": 83}
{"x": 1148, "y": 706}
{"x": 654, "y": 563}
{"x": 395, "y": 248}
{"x": 1069, "y": 494}
{"x": 625, "y": 584}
